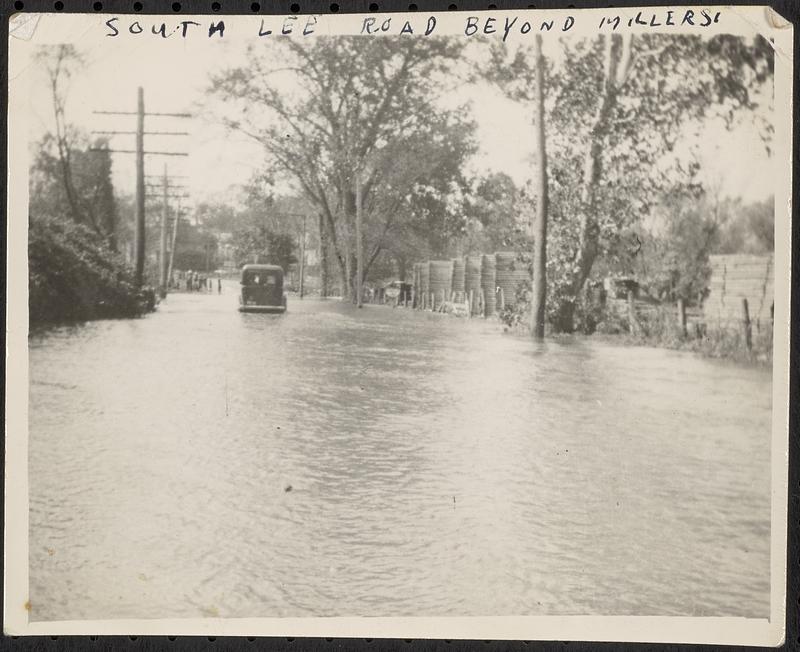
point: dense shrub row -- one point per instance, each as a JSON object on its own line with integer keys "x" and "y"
{"x": 73, "y": 275}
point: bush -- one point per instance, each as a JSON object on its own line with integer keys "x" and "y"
{"x": 516, "y": 315}
{"x": 659, "y": 327}
{"x": 656, "y": 326}
{"x": 74, "y": 276}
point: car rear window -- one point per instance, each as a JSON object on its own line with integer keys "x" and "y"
{"x": 260, "y": 278}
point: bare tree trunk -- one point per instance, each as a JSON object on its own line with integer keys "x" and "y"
{"x": 303, "y": 259}
{"x": 347, "y": 289}
{"x": 539, "y": 280}
{"x": 349, "y": 268}
{"x": 323, "y": 258}
{"x": 359, "y": 245}
{"x": 62, "y": 139}
{"x": 344, "y": 280}
{"x": 616, "y": 67}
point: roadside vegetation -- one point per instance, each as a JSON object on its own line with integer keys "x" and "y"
{"x": 387, "y": 180}
{"x": 669, "y": 258}
{"x": 75, "y": 271}
{"x": 75, "y": 276}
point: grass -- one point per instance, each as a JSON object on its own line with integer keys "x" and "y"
{"x": 659, "y": 328}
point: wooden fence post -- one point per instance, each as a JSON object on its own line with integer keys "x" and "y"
{"x": 471, "y": 302}
{"x": 682, "y": 317}
{"x": 746, "y": 325}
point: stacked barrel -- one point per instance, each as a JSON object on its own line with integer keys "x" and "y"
{"x": 483, "y": 276}
{"x": 472, "y": 280}
{"x": 424, "y": 285}
{"x": 458, "y": 278}
{"x": 510, "y": 272}
{"x": 489, "y": 284}
{"x": 441, "y": 281}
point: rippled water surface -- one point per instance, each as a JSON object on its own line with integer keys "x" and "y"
{"x": 436, "y": 466}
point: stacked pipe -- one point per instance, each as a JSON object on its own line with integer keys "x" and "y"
{"x": 441, "y": 281}
{"x": 472, "y": 279}
{"x": 488, "y": 284}
{"x": 424, "y": 285}
{"x": 458, "y": 276}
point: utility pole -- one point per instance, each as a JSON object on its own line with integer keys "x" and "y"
{"x": 139, "y": 151}
{"x": 139, "y": 238}
{"x": 162, "y": 257}
{"x": 359, "y": 252}
{"x": 303, "y": 259}
{"x": 539, "y": 280}
{"x": 174, "y": 238}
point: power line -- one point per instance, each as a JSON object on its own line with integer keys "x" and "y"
{"x": 172, "y": 115}
{"x": 146, "y": 133}
{"x": 140, "y": 176}
{"x": 136, "y": 151}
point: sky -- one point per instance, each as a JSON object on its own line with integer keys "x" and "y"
{"x": 175, "y": 74}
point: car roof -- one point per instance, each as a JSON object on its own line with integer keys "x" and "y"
{"x": 262, "y": 268}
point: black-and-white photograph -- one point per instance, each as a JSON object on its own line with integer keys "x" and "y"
{"x": 400, "y": 316}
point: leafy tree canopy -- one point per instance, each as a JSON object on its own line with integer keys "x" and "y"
{"x": 359, "y": 108}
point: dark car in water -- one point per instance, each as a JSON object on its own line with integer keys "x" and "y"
{"x": 262, "y": 289}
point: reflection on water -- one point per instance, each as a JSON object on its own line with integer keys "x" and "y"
{"x": 202, "y": 462}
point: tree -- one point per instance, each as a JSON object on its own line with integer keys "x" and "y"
{"x": 216, "y": 216}
{"x": 363, "y": 105}
{"x": 760, "y": 220}
{"x": 672, "y": 247}
{"x": 60, "y": 63}
{"x": 626, "y": 100}
{"x": 496, "y": 211}
{"x": 255, "y": 242}
{"x": 67, "y": 173}
{"x": 91, "y": 187}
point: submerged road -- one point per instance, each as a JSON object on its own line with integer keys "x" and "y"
{"x": 331, "y": 461}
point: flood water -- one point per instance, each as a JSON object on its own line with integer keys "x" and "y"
{"x": 384, "y": 462}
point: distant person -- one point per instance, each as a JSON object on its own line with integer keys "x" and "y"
{"x": 219, "y": 285}
{"x": 210, "y": 284}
